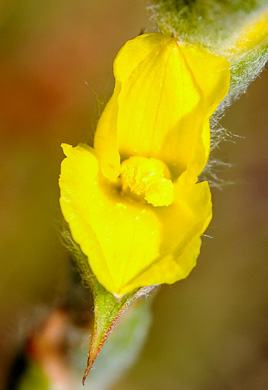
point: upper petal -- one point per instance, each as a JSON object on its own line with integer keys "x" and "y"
{"x": 165, "y": 92}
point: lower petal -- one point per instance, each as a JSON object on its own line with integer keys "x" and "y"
{"x": 182, "y": 226}
{"x": 118, "y": 235}
{"x": 130, "y": 244}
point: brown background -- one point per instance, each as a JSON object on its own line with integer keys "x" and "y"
{"x": 209, "y": 331}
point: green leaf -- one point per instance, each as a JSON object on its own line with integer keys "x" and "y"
{"x": 107, "y": 309}
{"x": 123, "y": 346}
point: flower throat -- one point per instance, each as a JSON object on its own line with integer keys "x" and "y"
{"x": 149, "y": 178}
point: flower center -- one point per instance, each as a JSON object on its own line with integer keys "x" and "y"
{"x": 149, "y": 178}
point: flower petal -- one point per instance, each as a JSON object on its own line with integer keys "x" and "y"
{"x": 211, "y": 73}
{"x": 130, "y": 244}
{"x": 165, "y": 92}
{"x": 182, "y": 226}
{"x": 119, "y": 236}
{"x": 105, "y": 142}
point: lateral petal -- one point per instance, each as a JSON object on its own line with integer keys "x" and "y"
{"x": 212, "y": 74}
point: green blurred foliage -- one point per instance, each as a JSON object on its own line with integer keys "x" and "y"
{"x": 34, "y": 379}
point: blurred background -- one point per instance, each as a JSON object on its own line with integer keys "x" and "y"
{"x": 209, "y": 331}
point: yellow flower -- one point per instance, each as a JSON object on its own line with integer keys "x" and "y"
{"x": 133, "y": 203}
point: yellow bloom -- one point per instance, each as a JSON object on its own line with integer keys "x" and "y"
{"x": 133, "y": 203}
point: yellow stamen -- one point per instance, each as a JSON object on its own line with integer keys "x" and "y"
{"x": 149, "y": 178}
